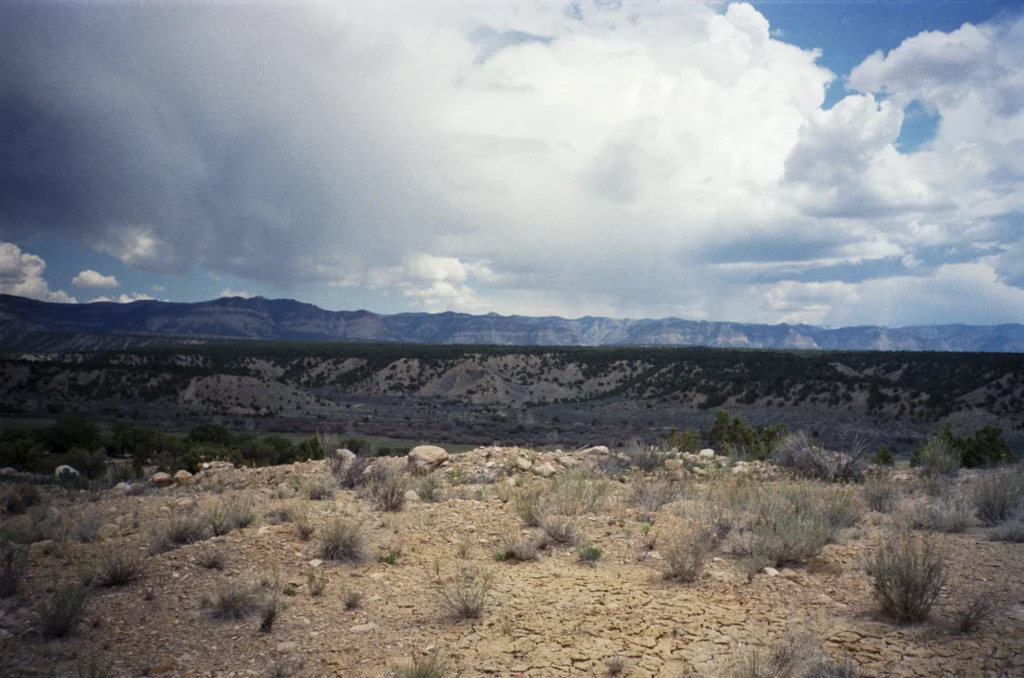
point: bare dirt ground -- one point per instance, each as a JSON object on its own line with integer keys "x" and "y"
{"x": 549, "y": 617}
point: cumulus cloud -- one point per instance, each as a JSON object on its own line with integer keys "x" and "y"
{"x": 21, "y": 274}
{"x": 124, "y": 298}
{"x": 95, "y": 280}
{"x": 631, "y": 159}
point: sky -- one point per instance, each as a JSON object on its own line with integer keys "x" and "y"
{"x": 828, "y": 162}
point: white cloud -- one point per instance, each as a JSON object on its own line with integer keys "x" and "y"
{"x": 124, "y": 298}
{"x": 636, "y": 159}
{"x": 227, "y": 292}
{"x": 94, "y": 280}
{"x": 21, "y": 274}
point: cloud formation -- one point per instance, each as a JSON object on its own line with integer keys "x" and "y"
{"x": 95, "y": 280}
{"x": 21, "y": 274}
{"x": 628, "y": 159}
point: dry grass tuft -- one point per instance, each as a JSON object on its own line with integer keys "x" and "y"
{"x": 344, "y": 540}
{"x": 464, "y": 593}
{"x": 909, "y": 572}
{"x": 685, "y": 552}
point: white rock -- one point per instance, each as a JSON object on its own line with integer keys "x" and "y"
{"x": 364, "y": 628}
{"x": 596, "y": 449}
{"x": 160, "y": 479}
{"x": 545, "y": 470}
{"x": 316, "y": 562}
{"x": 707, "y": 453}
{"x": 183, "y": 477}
{"x": 64, "y": 469}
{"x": 123, "y": 487}
{"x": 426, "y": 457}
{"x": 345, "y": 454}
{"x": 523, "y": 463}
{"x": 410, "y": 495}
{"x": 771, "y": 572}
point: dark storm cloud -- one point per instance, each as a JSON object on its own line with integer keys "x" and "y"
{"x": 237, "y": 137}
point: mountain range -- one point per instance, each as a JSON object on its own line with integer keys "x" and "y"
{"x": 27, "y": 324}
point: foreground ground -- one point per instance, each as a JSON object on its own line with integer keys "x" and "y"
{"x": 550, "y": 617}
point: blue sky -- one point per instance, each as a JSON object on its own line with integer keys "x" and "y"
{"x": 833, "y": 163}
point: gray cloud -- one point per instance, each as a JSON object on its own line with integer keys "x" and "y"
{"x": 635, "y": 158}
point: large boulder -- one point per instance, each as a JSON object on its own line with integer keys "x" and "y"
{"x": 545, "y": 470}
{"x": 65, "y": 471}
{"x": 426, "y": 458}
{"x": 183, "y": 477}
{"x": 161, "y": 479}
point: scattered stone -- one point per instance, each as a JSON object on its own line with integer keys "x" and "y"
{"x": 161, "y": 479}
{"x": 182, "y": 477}
{"x": 545, "y": 470}
{"x": 287, "y": 646}
{"x": 674, "y": 465}
{"x": 426, "y": 458}
{"x": 316, "y": 562}
{"x": 567, "y": 461}
{"x": 345, "y": 454}
{"x": 123, "y": 487}
{"x": 819, "y": 565}
{"x": 523, "y": 464}
{"x": 706, "y": 453}
{"x": 410, "y": 495}
{"x": 65, "y": 469}
{"x": 771, "y": 572}
{"x": 364, "y": 628}
{"x": 109, "y": 531}
{"x": 595, "y": 450}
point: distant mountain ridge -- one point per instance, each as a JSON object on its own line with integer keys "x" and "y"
{"x": 23, "y": 319}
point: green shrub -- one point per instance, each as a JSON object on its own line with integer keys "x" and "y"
{"x": 561, "y": 531}
{"x": 807, "y": 457}
{"x": 517, "y": 548}
{"x": 909, "y": 573}
{"x": 234, "y": 599}
{"x": 344, "y": 540}
{"x": 13, "y": 565}
{"x": 998, "y": 496}
{"x": 644, "y": 456}
{"x": 980, "y": 605}
{"x": 16, "y": 499}
{"x": 589, "y": 554}
{"x": 316, "y": 581}
{"x": 985, "y": 448}
{"x": 319, "y": 488}
{"x": 464, "y": 594}
{"x": 180, "y": 529}
{"x": 576, "y": 491}
{"x": 388, "y": 491}
{"x": 686, "y": 551}
{"x": 429, "y": 488}
{"x": 1012, "y": 531}
{"x": 883, "y": 457}
{"x": 937, "y": 457}
{"x": 793, "y": 523}
{"x": 526, "y": 502}
{"x": 59, "y": 615}
{"x": 881, "y": 493}
{"x": 118, "y": 567}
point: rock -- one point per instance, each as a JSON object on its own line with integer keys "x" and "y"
{"x": 345, "y": 454}
{"x": 523, "y": 464}
{"x": 160, "y": 670}
{"x": 8, "y": 471}
{"x": 742, "y": 467}
{"x": 109, "y": 531}
{"x": 161, "y": 479}
{"x": 426, "y": 458}
{"x": 287, "y": 646}
{"x": 771, "y": 571}
{"x": 316, "y": 562}
{"x": 567, "y": 461}
{"x": 545, "y": 470}
{"x": 65, "y": 469}
{"x": 182, "y": 477}
{"x": 706, "y": 453}
{"x": 410, "y": 495}
{"x": 364, "y": 628}
{"x": 674, "y": 465}
{"x": 596, "y": 449}
{"x": 123, "y": 487}
{"x": 819, "y": 565}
